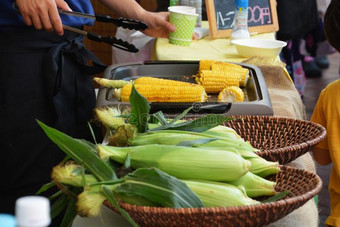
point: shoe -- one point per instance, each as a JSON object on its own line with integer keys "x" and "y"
{"x": 322, "y": 61}
{"x": 311, "y": 69}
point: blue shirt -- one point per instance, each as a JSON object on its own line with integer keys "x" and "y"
{"x": 9, "y": 17}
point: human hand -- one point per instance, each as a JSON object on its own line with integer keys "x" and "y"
{"x": 158, "y": 24}
{"x": 43, "y": 14}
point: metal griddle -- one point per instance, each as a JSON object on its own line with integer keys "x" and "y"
{"x": 257, "y": 100}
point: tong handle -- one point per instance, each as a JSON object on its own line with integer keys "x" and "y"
{"x": 122, "y": 22}
{"x": 118, "y": 43}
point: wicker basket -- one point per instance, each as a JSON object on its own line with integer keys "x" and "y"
{"x": 302, "y": 184}
{"x": 279, "y": 139}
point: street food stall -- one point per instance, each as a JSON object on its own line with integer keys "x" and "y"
{"x": 274, "y": 131}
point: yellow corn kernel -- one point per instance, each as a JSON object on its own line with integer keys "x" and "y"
{"x": 159, "y": 81}
{"x": 163, "y": 93}
{"x": 231, "y": 94}
{"x": 216, "y": 81}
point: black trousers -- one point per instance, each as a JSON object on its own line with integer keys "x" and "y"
{"x": 45, "y": 77}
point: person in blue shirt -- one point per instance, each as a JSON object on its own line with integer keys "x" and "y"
{"x": 45, "y": 75}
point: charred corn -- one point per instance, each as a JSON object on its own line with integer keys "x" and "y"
{"x": 216, "y": 194}
{"x": 164, "y": 93}
{"x": 181, "y": 162}
{"x": 216, "y": 81}
{"x": 231, "y": 94}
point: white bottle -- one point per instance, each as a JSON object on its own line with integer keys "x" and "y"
{"x": 240, "y": 29}
{"x": 32, "y": 211}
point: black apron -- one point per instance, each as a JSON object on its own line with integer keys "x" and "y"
{"x": 45, "y": 77}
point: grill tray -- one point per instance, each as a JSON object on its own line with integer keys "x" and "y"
{"x": 257, "y": 101}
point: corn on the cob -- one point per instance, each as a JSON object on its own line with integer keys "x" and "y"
{"x": 243, "y": 72}
{"x": 224, "y": 132}
{"x": 147, "y": 80}
{"x": 182, "y": 162}
{"x": 216, "y": 194}
{"x": 164, "y": 93}
{"x": 231, "y": 94}
{"x": 259, "y": 165}
{"x": 205, "y": 65}
{"x": 216, "y": 81}
{"x": 111, "y": 83}
{"x": 71, "y": 174}
{"x": 255, "y": 185}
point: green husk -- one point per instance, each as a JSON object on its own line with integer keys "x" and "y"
{"x": 217, "y": 194}
{"x": 182, "y": 162}
{"x": 255, "y": 185}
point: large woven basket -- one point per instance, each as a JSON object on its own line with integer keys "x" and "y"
{"x": 279, "y": 139}
{"x": 302, "y": 184}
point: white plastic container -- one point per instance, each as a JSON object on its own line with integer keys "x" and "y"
{"x": 32, "y": 211}
{"x": 240, "y": 29}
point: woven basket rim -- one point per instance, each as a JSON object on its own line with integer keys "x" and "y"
{"x": 307, "y": 145}
{"x": 300, "y": 200}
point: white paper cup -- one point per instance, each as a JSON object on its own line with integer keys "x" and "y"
{"x": 185, "y": 25}
{"x": 185, "y": 9}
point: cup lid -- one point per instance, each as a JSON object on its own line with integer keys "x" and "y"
{"x": 33, "y": 211}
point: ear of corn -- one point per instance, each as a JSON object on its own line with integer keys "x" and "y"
{"x": 71, "y": 174}
{"x": 146, "y": 80}
{"x": 164, "y": 93}
{"x": 259, "y": 165}
{"x": 89, "y": 202}
{"x": 110, "y": 117}
{"x": 229, "y": 67}
{"x": 216, "y": 194}
{"x": 231, "y": 94}
{"x": 224, "y": 132}
{"x": 205, "y": 65}
{"x": 255, "y": 185}
{"x": 181, "y": 162}
{"x": 215, "y": 81}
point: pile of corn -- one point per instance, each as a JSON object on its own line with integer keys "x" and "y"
{"x": 213, "y": 77}
{"x": 223, "y": 78}
{"x": 223, "y": 170}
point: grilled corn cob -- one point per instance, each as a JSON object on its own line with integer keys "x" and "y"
{"x": 146, "y": 80}
{"x": 216, "y": 81}
{"x": 164, "y": 93}
{"x": 255, "y": 185}
{"x": 141, "y": 80}
{"x": 231, "y": 94}
{"x": 229, "y": 67}
{"x": 216, "y": 194}
{"x": 181, "y": 162}
{"x": 205, "y": 65}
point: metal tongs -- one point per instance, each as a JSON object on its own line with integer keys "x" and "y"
{"x": 120, "y": 22}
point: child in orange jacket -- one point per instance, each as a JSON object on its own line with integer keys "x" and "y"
{"x": 327, "y": 113}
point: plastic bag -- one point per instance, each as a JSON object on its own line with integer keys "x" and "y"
{"x": 143, "y": 42}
